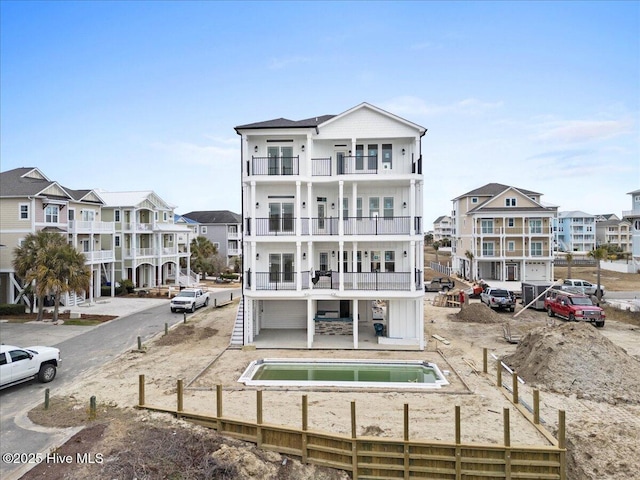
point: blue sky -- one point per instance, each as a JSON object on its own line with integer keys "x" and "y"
{"x": 144, "y": 95}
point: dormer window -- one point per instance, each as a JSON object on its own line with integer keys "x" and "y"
{"x": 474, "y": 199}
{"x": 510, "y": 202}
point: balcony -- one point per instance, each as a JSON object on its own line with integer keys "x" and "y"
{"x": 330, "y": 280}
{"x": 139, "y": 227}
{"x": 99, "y": 256}
{"x": 76, "y": 226}
{"x": 274, "y": 166}
{"x": 317, "y": 226}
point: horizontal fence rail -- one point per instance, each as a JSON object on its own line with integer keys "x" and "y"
{"x": 330, "y": 280}
{"x": 275, "y": 165}
{"x": 318, "y": 226}
{"x": 387, "y": 458}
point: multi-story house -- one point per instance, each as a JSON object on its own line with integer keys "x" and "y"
{"x": 633, "y": 216}
{"x": 442, "y": 228}
{"x": 610, "y": 230}
{"x": 333, "y": 235}
{"x": 150, "y": 249}
{"x": 192, "y": 225}
{"x": 224, "y": 229}
{"x": 503, "y": 233}
{"x": 576, "y": 231}
{"x": 31, "y": 202}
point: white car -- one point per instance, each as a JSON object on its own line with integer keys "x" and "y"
{"x": 21, "y": 364}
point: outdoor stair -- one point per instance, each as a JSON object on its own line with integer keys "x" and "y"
{"x": 237, "y": 337}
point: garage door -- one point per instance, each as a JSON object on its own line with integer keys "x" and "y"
{"x": 536, "y": 271}
{"x": 284, "y": 314}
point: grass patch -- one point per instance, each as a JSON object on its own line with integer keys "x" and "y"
{"x": 83, "y": 322}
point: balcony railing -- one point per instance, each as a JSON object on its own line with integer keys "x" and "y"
{"x": 525, "y": 230}
{"x": 330, "y": 280}
{"x": 286, "y": 226}
{"x": 275, "y": 166}
{"x": 76, "y": 226}
{"x": 140, "y": 227}
{"x": 99, "y": 256}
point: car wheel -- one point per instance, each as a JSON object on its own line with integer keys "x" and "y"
{"x": 550, "y": 312}
{"x": 445, "y": 289}
{"x": 47, "y": 373}
{"x": 206, "y": 302}
{"x": 173, "y": 310}
{"x": 572, "y": 317}
{"x": 512, "y": 309}
{"x": 193, "y": 307}
{"x": 599, "y": 324}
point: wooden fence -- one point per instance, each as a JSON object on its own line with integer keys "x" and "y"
{"x": 384, "y": 458}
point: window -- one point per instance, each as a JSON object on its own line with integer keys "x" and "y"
{"x": 386, "y": 156}
{"x": 324, "y": 261}
{"x": 486, "y": 225}
{"x": 511, "y": 222}
{"x": 280, "y": 160}
{"x": 18, "y": 355}
{"x": 71, "y": 215}
{"x": 84, "y": 244}
{"x": 374, "y": 207}
{"x": 345, "y": 207}
{"x": 535, "y": 225}
{"x": 3, "y": 359}
{"x": 375, "y": 261}
{"x": 281, "y": 217}
{"x": 373, "y": 157}
{"x": 281, "y": 267}
{"x": 389, "y": 261}
{"x": 116, "y": 241}
{"x": 536, "y": 249}
{"x": 388, "y": 207}
{"x": 233, "y": 229}
{"x": 216, "y": 245}
{"x": 87, "y": 215}
{"x": 359, "y": 261}
{"x": 359, "y": 157}
{"x": 511, "y": 246}
{"x": 203, "y": 230}
{"x": 487, "y": 249}
{"x": 474, "y": 199}
{"x": 51, "y": 213}
{"x": 24, "y": 211}
{"x": 345, "y": 261}
{"x": 164, "y": 216}
{"x": 116, "y": 215}
{"x": 359, "y": 207}
{"x": 510, "y": 202}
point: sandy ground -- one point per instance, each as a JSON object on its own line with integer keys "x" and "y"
{"x": 603, "y": 428}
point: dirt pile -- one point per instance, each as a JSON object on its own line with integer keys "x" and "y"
{"x": 477, "y": 313}
{"x": 575, "y": 358}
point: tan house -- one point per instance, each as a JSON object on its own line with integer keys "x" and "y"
{"x": 442, "y": 228}
{"x": 610, "y": 230}
{"x": 30, "y": 202}
{"x": 503, "y": 233}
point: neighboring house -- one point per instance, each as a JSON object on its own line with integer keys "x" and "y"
{"x": 503, "y": 233}
{"x": 333, "y": 230}
{"x": 148, "y": 245}
{"x": 192, "y": 225}
{"x": 31, "y": 202}
{"x": 576, "y": 231}
{"x": 223, "y": 228}
{"x": 442, "y": 228}
{"x": 610, "y": 230}
{"x": 633, "y": 216}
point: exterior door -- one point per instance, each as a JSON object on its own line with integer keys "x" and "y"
{"x": 512, "y": 272}
{"x": 322, "y": 215}
{"x": 342, "y": 163}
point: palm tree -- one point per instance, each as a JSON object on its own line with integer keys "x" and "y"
{"x": 202, "y": 252}
{"x": 28, "y": 256}
{"x": 72, "y": 274}
{"x": 470, "y": 256}
{"x": 436, "y": 247}
{"x": 598, "y": 254}
{"x": 569, "y": 257}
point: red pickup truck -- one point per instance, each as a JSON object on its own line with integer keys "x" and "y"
{"x": 573, "y": 307}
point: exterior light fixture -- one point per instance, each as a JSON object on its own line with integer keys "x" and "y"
{"x": 304, "y": 204}
{"x": 255, "y": 149}
{"x": 302, "y": 148}
{"x": 333, "y": 206}
{"x": 333, "y": 253}
{"x": 405, "y": 253}
{"x": 304, "y": 256}
{"x": 366, "y": 254}
{"x": 403, "y": 151}
{"x": 404, "y": 204}
{"x": 257, "y": 256}
{"x": 257, "y": 204}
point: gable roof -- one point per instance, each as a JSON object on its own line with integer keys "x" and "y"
{"x": 439, "y": 219}
{"x": 181, "y": 218}
{"x": 368, "y": 106}
{"x": 286, "y": 123}
{"x": 494, "y": 189}
{"x": 214, "y": 216}
{"x": 133, "y": 199}
{"x": 24, "y": 182}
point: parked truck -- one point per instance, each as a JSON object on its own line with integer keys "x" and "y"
{"x": 439, "y": 284}
{"x": 574, "y": 307}
{"x": 189, "y": 299}
{"x": 21, "y": 364}
{"x": 498, "y": 299}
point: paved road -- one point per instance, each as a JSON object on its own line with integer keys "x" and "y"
{"x": 83, "y": 350}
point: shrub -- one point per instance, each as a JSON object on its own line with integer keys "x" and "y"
{"x": 12, "y": 308}
{"x": 229, "y": 276}
{"x": 127, "y": 284}
{"x": 105, "y": 291}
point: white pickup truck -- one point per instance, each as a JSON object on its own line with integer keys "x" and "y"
{"x": 21, "y": 364}
{"x": 189, "y": 299}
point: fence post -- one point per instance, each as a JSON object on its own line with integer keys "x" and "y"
{"x": 259, "y": 418}
{"x": 184, "y": 317}
{"x": 514, "y": 381}
{"x": 406, "y": 442}
{"x": 499, "y": 374}
{"x": 354, "y": 442}
{"x": 219, "y": 405}
{"x": 484, "y": 360}
{"x": 92, "y": 407}
{"x": 305, "y": 412}
{"x": 562, "y": 445}
{"x": 458, "y": 449}
{"x": 139, "y": 343}
{"x": 141, "y": 390}
{"x": 536, "y": 406}
{"x": 507, "y": 443}
{"x": 180, "y": 398}
{"x": 46, "y": 399}
{"x": 166, "y": 329}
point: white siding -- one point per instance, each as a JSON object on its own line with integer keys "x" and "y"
{"x": 284, "y": 314}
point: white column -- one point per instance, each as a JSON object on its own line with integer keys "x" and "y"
{"x": 311, "y": 324}
{"x": 299, "y": 267}
{"x": 355, "y": 323}
{"x": 412, "y": 264}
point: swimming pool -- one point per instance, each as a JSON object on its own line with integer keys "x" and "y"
{"x": 343, "y": 373}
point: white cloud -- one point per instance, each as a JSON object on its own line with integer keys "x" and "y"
{"x": 577, "y": 131}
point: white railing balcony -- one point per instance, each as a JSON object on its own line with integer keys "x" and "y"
{"x": 168, "y": 251}
{"x": 100, "y": 256}
{"x": 233, "y": 252}
{"x": 233, "y": 235}
{"x": 140, "y": 252}
{"x": 81, "y": 226}
{"x": 139, "y": 227}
